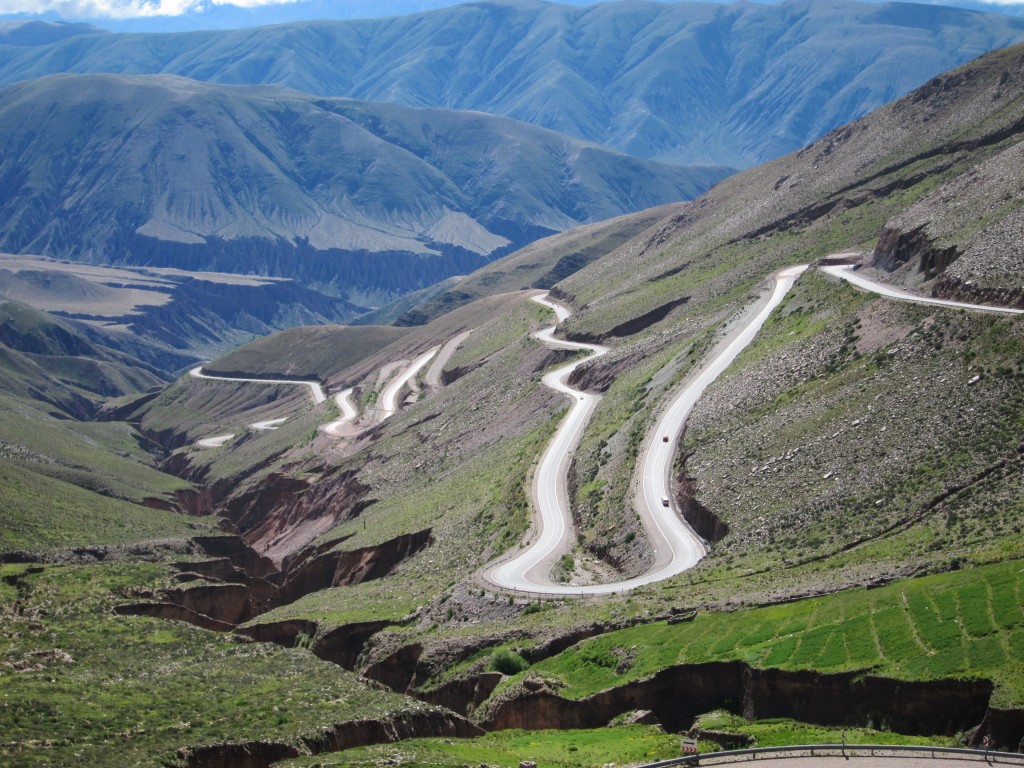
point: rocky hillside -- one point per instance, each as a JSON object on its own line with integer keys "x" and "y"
{"x": 857, "y": 473}
{"x": 660, "y": 299}
{"x": 897, "y": 424}
{"x": 733, "y": 84}
{"x": 365, "y": 201}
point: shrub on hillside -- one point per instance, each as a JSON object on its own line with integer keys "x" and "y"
{"x": 507, "y": 662}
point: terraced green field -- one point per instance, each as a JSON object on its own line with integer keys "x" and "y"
{"x": 966, "y": 623}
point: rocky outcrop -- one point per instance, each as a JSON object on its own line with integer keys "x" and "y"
{"x": 704, "y": 522}
{"x": 230, "y": 595}
{"x": 284, "y": 633}
{"x": 173, "y": 612}
{"x": 936, "y": 706}
{"x": 405, "y": 725}
{"x": 218, "y": 568}
{"x": 409, "y": 666}
{"x": 948, "y": 287}
{"x": 228, "y": 603}
{"x": 397, "y": 670}
{"x": 646, "y": 320}
{"x": 678, "y": 694}
{"x": 197, "y": 502}
{"x": 238, "y": 552}
{"x": 283, "y": 514}
{"x": 897, "y": 248}
{"x": 600, "y": 374}
{"x": 341, "y": 645}
{"x": 558, "y": 643}
{"x": 250, "y": 754}
{"x": 451, "y": 375}
{"x": 632, "y": 326}
{"x": 1004, "y": 726}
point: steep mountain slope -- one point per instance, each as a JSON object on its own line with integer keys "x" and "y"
{"x": 368, "y": 201}
{"x": 857, "y": 441}
{"x": 60, "y": 362}
{"x": 69, "y": 482}
{"x": 685, "y": 82}
{"x": 660, "y": 300}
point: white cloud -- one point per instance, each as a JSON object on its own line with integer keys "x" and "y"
{"x": 123, "y": 9}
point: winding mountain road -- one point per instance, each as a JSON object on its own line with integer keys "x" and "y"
{"x": 388, "y": 405}
{"x": 433, "y": 376}
{"x": 389, "y": 398}
{"x": 676, "y": 547}
{"x": 315, "y": 390}
{"x": 845, "y": 272}
{"x": 529, "y": 570}
{"x": 348, "y": 413}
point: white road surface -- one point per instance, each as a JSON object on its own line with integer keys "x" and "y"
{"x": 389, "y": 404}
{"x": 214, "y": 442}
{"x": 269, "y": 424}
{"x": 348, "y": 413}
{"x": 676, "y": 547}
{"x": 315, "y": 390}
{"x": 433, "y": 376}
{"x": 845, "y": 271}
{"x": 528, "y": 571}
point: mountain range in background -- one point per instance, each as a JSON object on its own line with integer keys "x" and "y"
{"x": 206, "y": 14}
{"x": 689, "y": 83}
{"x": 370, "y": 159}
{"x": 361, "y": 200}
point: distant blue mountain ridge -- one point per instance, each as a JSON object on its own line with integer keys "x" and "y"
{"x": 720, "y": 84}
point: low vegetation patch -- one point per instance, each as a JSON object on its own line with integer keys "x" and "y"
{"x": 781, "y": 732}
{"x": 84, "y": 686}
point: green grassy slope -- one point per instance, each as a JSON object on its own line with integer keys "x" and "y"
{"x": 961, "y": 624}
{"x": 307, "y": 353}
{"x": 856, "y": 442}
{"x": 68, "y": 482}
{"x": 789, "y": 448}
{"x": 83, "y": 685}
{"x": 43, "y": 514}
